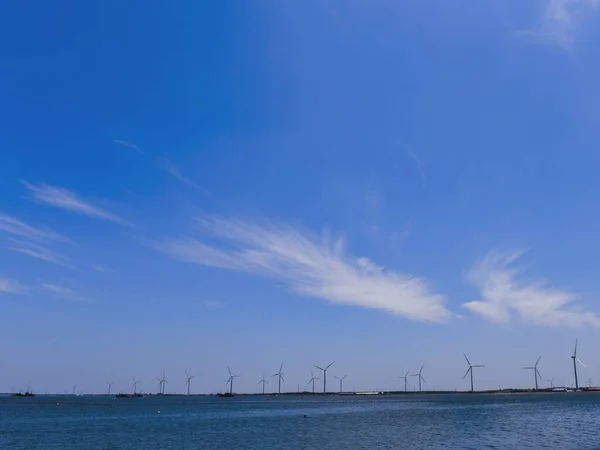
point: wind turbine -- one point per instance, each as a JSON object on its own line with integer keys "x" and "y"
{"x": 405, "y": 378}
{"x": 341, "y": 382}
{"x": 230, "y": 381}
{"x": 551, "y": 383}
{"x": 165, "y": 382}
{"x": 279, "y": 375}
{"x": 470, "y": 369}
{"x": 312, "y": 380}
{"x": 263, "y": 381}
{"x": 188, "y": 381}
{"x": 109, "y": 387}
{"x": 420, "y": 376}
{"x": 536, "y": 372}
{"x": 575, "y": 361}
{"x": 161, "y": 384}
{"x": 589, "y": 382}
{"x": 325, "y": 376}
{"x": 74, "y": 386}
{"x": 135, "y": 383}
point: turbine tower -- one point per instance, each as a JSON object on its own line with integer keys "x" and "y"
{"x": 325, "y": 376}
{"x": 188, "y": 381}
{"x": 312, "y": 380}
{"x": 279, "y": 375}
{"x": 164, "y": 383}
{"x": 575, "y": 361}
{"x": 420, "y": 376}
{"x": 135, "y": 383}
{"x": 536, "y": 372}
{"x": 263, "y": 381}
{"x": 470, "y": 370}
{"x": 230, "y": 381}
{"x": 405, "y": 378}
{"x": 341, "y": 382}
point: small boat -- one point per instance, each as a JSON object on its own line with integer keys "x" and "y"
{"x": 26, "y": 394}
{"x": 128, "y": 395}
{"x": 227, "y": 394}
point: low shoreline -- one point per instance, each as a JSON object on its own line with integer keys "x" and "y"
{"x": 548, "y": 391}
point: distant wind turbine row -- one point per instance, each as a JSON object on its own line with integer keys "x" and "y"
{"x": 162, "y": 381}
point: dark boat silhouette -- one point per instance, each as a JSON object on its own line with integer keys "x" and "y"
{"x": 25, "y": 394}
{"x": 128, "y": 395}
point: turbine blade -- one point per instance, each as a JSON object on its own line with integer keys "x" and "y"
{"x": 320, "y": 368}
{"x": 421, "y": 369}
{"x": 538, "y": 360}
{"x": 467, "y": 372}
{"x": 423, "y": 380}
{"x": 580, "y": 362}
{"x": 468, "y": 362}
{"x": 282, "y": 379}
{"x": 281, "y": 367}
{"x": 479, "y": 365}
{"x": 329, "y": 365}
{"x": 527, "y": 368}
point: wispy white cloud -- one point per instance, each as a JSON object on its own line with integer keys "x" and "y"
{"x": 70, "y": 201}
{"x": 561, "y": 19}
{"x": 14, "y": 226}
{"x": 38, "y": 252}
{"x": 312, "y": 267}
{"x": 127, "y": 144}
{"x": 11, "y": 286}
{"x": 418, "y": 164}
{"x": 175, "y": 172}
{"x": 503, "y": 295}
{"x": 213, "y": 304}
{"x": 64, "y": 292}
{"x": 100, "y": 267}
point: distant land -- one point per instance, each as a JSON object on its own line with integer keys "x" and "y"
{"x": 334, "y": 394}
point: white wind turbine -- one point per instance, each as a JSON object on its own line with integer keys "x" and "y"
{"x": 324, "y": 370}
{"x": 188, "y": 381}
{"x": 405, "y": 378}
{"x": 312, "y": 380}
{"x": 341, "y": 382}
{"x": 536, "y": 372}
{"x": 279, "y": 375}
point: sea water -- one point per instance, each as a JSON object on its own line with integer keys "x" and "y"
{"x": 428, "y": 421}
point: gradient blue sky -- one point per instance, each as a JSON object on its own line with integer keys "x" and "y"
{"x": 196, "y": 185}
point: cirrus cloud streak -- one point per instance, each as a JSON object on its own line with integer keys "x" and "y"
{"x": 318, "y": 268}
{"x": 503, "y": 295}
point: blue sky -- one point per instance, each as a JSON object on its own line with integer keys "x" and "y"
{"x": 200, "y": 185}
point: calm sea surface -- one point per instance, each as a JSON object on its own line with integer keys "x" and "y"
{"x": 556, "y": 421}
